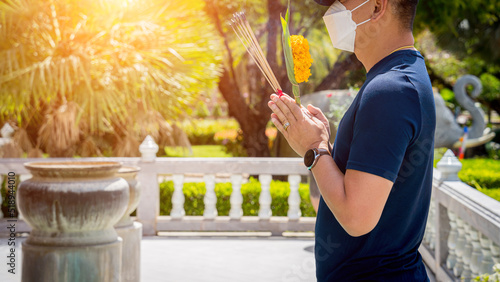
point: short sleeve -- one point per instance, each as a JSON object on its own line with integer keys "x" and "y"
{"x": 386, "y": 123}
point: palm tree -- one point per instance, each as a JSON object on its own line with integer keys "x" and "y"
{"x": 72, "y": 72}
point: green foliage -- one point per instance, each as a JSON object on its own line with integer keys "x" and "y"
{"x": 448, "y": 96}
{"x": 480, "y": 173}
{"x": 491, "y": 87}
{"x": 468, "y": 28}
{"x": 493, "y": 150}
{"x": 194, "y": 193}
{"x": 217, "y": 111}
{"x": 234, "y": 146}
{"x": 112, "y": 58}
{"x": 202, "y": 131}
{"x": 4, "y": 191}
{"x": 202, "y": 110}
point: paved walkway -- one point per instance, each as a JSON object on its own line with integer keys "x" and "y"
{"x": 220, "y": 259}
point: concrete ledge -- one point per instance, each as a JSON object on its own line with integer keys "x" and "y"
{"x": 276, "y": 224}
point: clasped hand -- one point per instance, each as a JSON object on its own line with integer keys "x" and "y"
{"x": 303, "y": 128}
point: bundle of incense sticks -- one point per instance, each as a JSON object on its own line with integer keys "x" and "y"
{"x": 244, "y": 32}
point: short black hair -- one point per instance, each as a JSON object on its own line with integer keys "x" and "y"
{"x": 405, "y": 11}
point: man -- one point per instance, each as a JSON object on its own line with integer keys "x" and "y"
{"x": 376, "y": 186}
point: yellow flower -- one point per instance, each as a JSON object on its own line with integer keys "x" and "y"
{"x": 302, "y": 60}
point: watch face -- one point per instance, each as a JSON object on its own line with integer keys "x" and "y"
{"x": 309, "y": 158}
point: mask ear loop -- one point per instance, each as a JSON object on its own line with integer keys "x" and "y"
{"x": 357, "y": 8}
{"x": 363, "y": 22}
{"x": 360, "y": 5}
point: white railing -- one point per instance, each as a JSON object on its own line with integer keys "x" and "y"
{"x": 177, "y": 168}
{"x": 462, "y": 236}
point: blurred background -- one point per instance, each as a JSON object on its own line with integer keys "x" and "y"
{"x": 93, "y": 78}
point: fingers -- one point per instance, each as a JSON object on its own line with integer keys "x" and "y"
{"x": 288, "y": 106}
{"x": 276, "y": 121}
{"x": 277, "y": 113}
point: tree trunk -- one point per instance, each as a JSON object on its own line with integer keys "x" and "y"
{"x": 334, "y": 79}
{"x": 254, "y": 116}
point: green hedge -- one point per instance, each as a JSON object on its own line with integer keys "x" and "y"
{"x": 480, "y": 173}
{"x": 202, "y": 131}
{"x": 194, "y": 193}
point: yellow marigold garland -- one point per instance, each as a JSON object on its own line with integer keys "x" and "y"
{"x": 302, "y": 60}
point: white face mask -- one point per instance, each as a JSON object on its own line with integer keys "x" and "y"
{"x": 341, "y": 27}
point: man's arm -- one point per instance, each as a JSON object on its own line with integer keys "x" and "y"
{"x": 356, "y": 199}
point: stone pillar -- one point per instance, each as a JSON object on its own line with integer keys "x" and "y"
{"x": 294, "y": 212}
{"x": 477, "y": 255}
{"x": 210, "y": 198}
{"x": 449, "y": 166}
{"x": 178, "y": 211}
{"x": 430, "y": 232}
{"x": 149, "y": 205}
{"x": 236, "y": 199}
{"x": 265, "y": 199}
{"x": 130, "y": 231}
{"x": 452, "y": 241}
{"x": 467, "y": 273}
{"x": 459, "y": 265}
{"x": 1, "y": 180}
{"x": 487, "y": 263}
{"x": 72, "y": 207}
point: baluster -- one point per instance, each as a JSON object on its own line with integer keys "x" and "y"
{"x": 1, "y": 181}
{"x": 467, "y": 273}
{"x": 265, "y": 196}
{"x": 210, "y": 198}
{"x": 294, "y": 212}
{"x": 426, "y": 239}
{"x": 430, "y": 221}
{"x": 477, "y": 255}
{"x": 236, "y": 199}
{"x": 495, "y": 252}
{"x": 459, "y": 266}
{"x": 487, "y": 263}
{"x": 451, "y": 260}
{"x": 178, "y": 197}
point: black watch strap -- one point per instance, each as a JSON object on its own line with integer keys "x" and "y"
{"x": 317, "y": 154}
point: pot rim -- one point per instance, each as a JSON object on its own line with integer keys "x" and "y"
{"x": 129, "y": 169}
{"x": 69, "y": 169}
{"x": 71, "y": 165}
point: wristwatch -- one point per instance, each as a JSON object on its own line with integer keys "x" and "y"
{"x": 312, "y": 156}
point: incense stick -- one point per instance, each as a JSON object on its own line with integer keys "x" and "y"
{"x": 246, "y": 35}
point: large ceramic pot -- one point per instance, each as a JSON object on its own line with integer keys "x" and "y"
{"x": 72, "y": 208}
{"x": 129, "y": 231}
{"x": 129, "y": 173}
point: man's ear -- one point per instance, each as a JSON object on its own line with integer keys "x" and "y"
{"x": 379, "y": 9}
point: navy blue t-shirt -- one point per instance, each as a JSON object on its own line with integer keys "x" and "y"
{"x": 387, "y": 131}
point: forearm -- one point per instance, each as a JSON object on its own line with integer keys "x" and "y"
{"x": 331, "y": 184}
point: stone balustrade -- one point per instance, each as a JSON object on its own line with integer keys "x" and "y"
{"x": 462, "y": 235}
{"x": 207, "y": 169}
